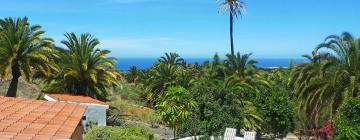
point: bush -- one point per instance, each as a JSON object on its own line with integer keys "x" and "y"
{"x": 277, "y": 110}
{"x": 347, "y": 120}
{"x": 131, "y": 93}
{"x": 120, "y": 133}
{"x": 153, "y": 118}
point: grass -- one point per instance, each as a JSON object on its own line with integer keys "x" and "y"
{"x": 131, "y": 105}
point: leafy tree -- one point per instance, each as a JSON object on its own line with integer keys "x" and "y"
{"x": 175, "y": 107}
{"x": 222, "y": 101}
{"x": 235, "y": 8}
{"x": 23, "y": 51}
{"x": 347, "y": 120}
{"x": 83, "y": 68}
{"x": 277, "y": 110}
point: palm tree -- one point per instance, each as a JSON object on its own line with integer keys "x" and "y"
{"x": 132, "y": 74}
{"x": 163, "y": 76}
{"x": 239, "y": 65}
{"x": 332, "y": 75}
{"x": 172, "y": 59}
{"x": 235, "y": 8}
{"x": 23, "y": 50}
{"x": 84, "y": 69}
{"x": 169, "y": 71}
{"x": 344, "y": 52}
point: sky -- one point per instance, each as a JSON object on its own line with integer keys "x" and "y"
{"x": 192, "y": 28}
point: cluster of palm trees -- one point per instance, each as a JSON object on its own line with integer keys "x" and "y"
{"x": 226, "y": 84}
{"x": 77, "y": 68}
{"x": 331, "y": 77}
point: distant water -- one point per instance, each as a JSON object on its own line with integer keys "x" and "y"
{"x": 144, "y": 63}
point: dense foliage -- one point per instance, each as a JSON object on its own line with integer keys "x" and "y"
{"x": 278, "y": 112}
{"x": 126, "y": 132}
{"x": 332, "y": 74}
{"x": 347, "y": 122}
{"x": 222, "y": 90}
{"x": 321, "y": 94}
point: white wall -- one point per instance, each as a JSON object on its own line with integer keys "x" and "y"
{"x": 95, "y": 113}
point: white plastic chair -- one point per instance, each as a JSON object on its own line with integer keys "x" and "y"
{"x": 249, "y": 135}
{"x": 229, "y": 134}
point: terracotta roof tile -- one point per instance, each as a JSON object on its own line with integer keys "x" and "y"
{"x": 25, "y": 119}
{"x": 75, "y": 98}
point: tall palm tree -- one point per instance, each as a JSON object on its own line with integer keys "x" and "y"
{"x": 235, "y": 8}
{"x": 23, "y": 50}
{"x": 84, "y": 69}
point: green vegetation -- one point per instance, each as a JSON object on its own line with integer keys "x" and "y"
{"x": 175, "y": 107}
{"x": 221, "y": 89}
{"x": 331, "y": 76}
{"x": 278, "y": 112}
{"x": 127, "y": 132}
{"x": 83, "y": 69}
{"x": 23, "y": 51}
{"x": 347, "y": 120}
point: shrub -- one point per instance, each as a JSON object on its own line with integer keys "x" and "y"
{"x": 347, "y": 120}
{"x": 131, "y": 93}
{"x": 277, "y": 110}
{"x": 120, "y": 133}
{"x": 153, "y": 118}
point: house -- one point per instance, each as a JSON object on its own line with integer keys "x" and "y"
{"x": 36, "y": 119}
{"x": 95, "y": 109}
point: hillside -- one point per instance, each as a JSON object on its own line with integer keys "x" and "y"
{"x": 25, "y": 89}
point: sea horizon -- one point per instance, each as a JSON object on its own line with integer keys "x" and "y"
{"x": 124, "y": 64}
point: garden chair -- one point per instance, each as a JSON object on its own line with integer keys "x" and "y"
{"x": 249, "y": 135}
{"x": 229, "y": 134}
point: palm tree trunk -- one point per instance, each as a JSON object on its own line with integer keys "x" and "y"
{"x": 14, "y": 81}
{"x": 174, "y": 133}
{"x": 231, "y": 33}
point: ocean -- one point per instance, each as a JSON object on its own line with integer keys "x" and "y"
{"x": 143, "y": 63}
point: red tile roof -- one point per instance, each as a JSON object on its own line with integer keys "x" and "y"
{"x": 35, "y": 119}
{"x": 75, "y": 98}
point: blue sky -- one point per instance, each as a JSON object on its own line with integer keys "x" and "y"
{"x": 192, "y": 28}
